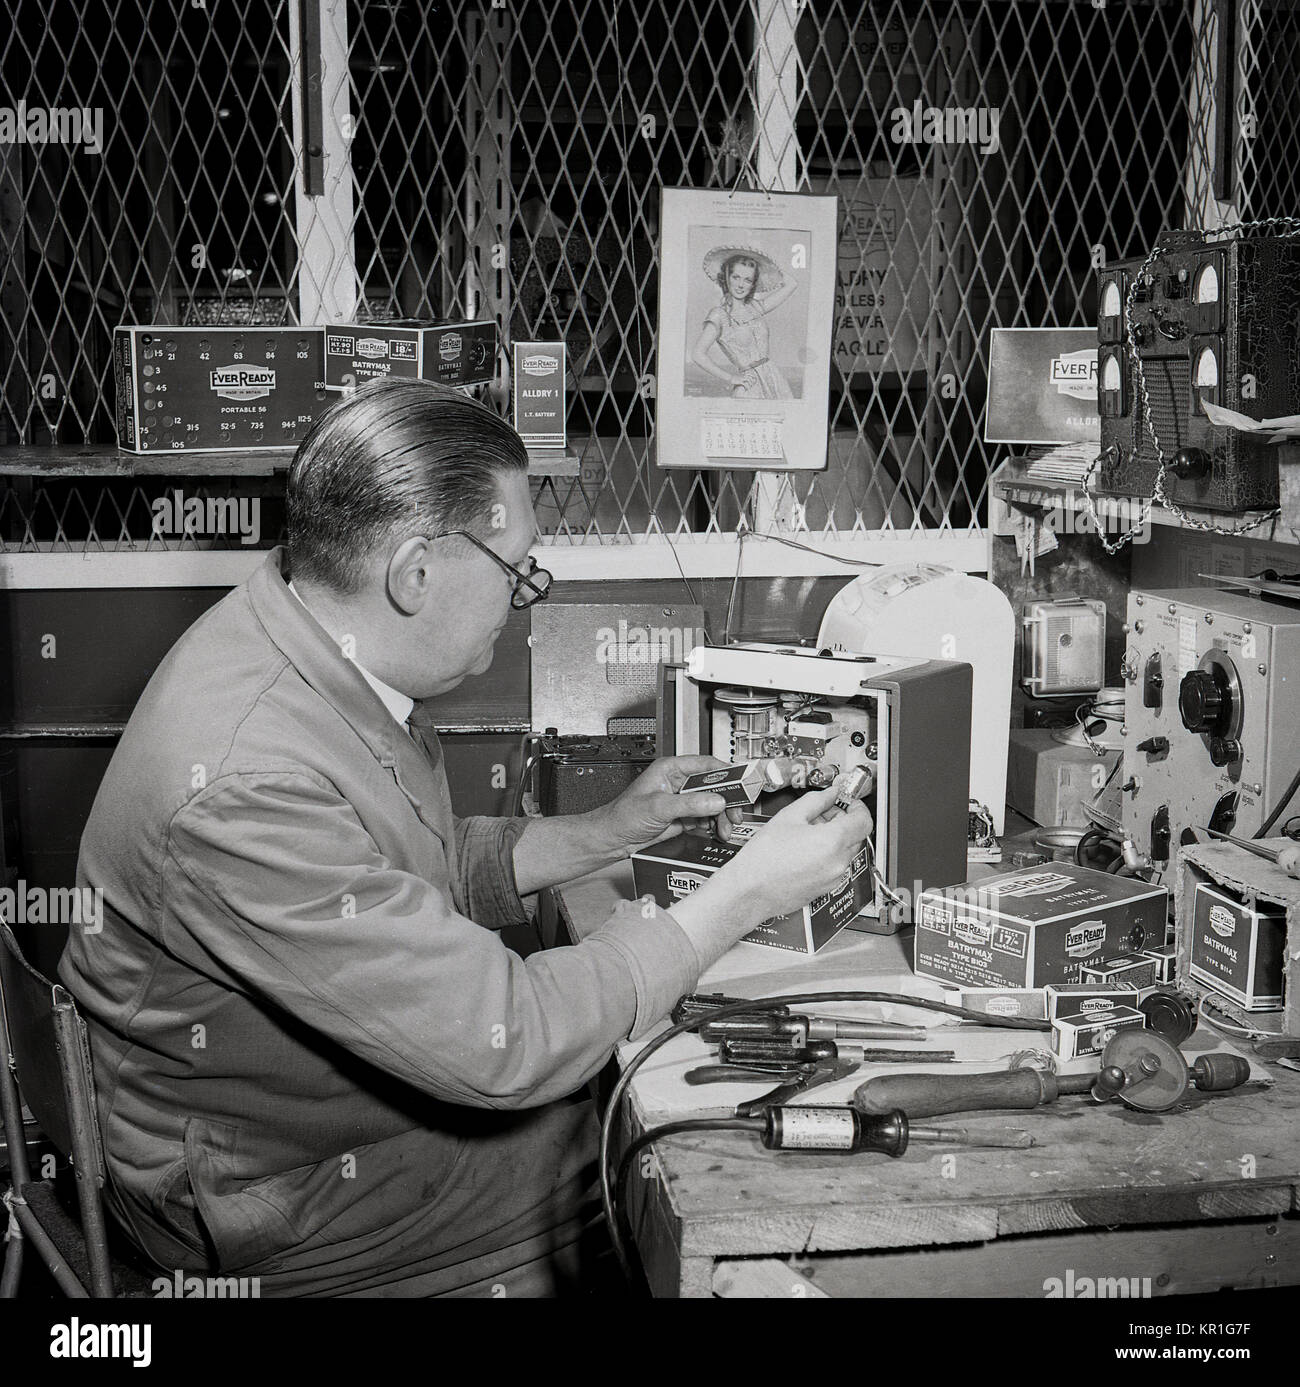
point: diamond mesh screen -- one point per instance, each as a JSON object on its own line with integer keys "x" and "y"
{"x": 506, "y": 160}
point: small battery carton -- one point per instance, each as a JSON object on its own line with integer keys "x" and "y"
{"x": 1029, "y": 1002}
{"x": 739, "y": 785}
{"x": 1033, "y": 927}
{"x": 1087, "y": 998}
{"x": 1128, "y": 970}
{"x": 1165, "y": 957}
{"x": 671, "y": 870}
{"x": 1077, "y": 1041}
{"x": 450, "y": 353}
{"x": 1237, "y": 947}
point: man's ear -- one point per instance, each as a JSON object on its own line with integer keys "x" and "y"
{"x": 411, "y": 574}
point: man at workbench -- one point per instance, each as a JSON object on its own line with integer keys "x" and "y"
{"x": 317, "y": 1063}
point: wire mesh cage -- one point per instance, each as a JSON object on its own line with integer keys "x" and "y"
{"x": 272, "y": 163}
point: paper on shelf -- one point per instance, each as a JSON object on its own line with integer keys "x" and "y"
{"x": 1272, "y": 430}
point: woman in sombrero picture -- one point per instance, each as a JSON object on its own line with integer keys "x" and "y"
{"x": 733, "y": 347}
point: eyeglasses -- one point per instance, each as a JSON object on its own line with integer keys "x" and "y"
{"x": 527, "y": 588}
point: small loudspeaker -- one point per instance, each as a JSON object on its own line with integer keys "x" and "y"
{"x": 1064, "y": 647}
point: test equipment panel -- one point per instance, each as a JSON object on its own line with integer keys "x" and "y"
{"x": 1211, "y": 715}
{"x": 906, "y": 721}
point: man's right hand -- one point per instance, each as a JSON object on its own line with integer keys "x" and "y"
{"x": 799, "y": 855}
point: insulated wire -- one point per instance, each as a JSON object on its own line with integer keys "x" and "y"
{"x": 607, "y": 1191}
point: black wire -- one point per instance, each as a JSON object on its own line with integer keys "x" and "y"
{"x": 1290, "y": 831}
{"x": 1019, "y": 1023}
{"x": 1092, "y": 835}
{"x": 1281, "y": 805}
{"x": 669, "y": 1129}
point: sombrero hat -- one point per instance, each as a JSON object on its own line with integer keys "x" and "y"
{"x": 770, "y": 275}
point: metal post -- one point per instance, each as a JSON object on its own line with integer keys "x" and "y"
{"x": 1206, "y": 126}
{"x": 322, "y": 128}
{"x": 489, "y": 195}
{"x": 776, "y": 99}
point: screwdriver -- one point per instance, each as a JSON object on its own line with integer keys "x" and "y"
{"x": 796, "y": 1024}
{"x": 741, "y": 1050}
{"x": 1287, "y": 858}
{"x": 703, "y": 1004}
{"x": 843, "y": 1129}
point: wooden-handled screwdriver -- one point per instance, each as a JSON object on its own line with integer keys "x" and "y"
{"x": 1288, "y": 858}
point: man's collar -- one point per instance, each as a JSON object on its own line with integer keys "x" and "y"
{"x": 318, "y": 659}
{"x": 398, "y": 704}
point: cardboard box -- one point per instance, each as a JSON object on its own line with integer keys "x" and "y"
{"x": 1049, "y": 782}
{"x": 1166, "y": 960}
{"x": 1029, "y": 1002}
{"x": 1138, "y": 971}
{"x": 1077, "y": 1041}
{"x": 1029, "y": 928}
{"x": 1086, "y": 998}
{"x": 1237, "y": 948}
{"x": 671, "y": 870}
{"x": 739, "y": 785}
{"x": 450, "y": 353}
{"x": 216, "y": 389}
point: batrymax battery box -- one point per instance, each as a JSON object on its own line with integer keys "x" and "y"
{"x": 1029, "y": 928}
{"x": 671, "y": 870}
{"x": 1077, "y": 1041}
{"x": 450, "y": 353}
{"x": 1237, "y": 948}
{"x": 216, "y": 389}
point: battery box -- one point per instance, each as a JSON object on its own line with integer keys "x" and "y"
{"x": 1237, "y": 948}
{"x": 671, "y": 870}
{"x": 1029, "y": 1002}
{"x": 1166, "y": 961}
{"x": 1030, "y": 928}
{"x": 1128, "y": 970}
{"x": 1086, "y": 998}
{"x": 216, "y": 389}
{"x": 450, "y": 353}
{"x": 1077, "y": 1041}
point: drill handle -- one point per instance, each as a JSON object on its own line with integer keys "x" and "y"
{"x": 930, "y": 1095}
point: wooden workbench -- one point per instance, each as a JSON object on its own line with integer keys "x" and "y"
{"x": 1197, "y": 1199}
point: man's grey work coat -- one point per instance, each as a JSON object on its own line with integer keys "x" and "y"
{"x": 297, "y": 964}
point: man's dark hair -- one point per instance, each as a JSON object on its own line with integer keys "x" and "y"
{"x": 394, "y": 459}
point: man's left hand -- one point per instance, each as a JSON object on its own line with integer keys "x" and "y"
{"x": 650, "y": 808}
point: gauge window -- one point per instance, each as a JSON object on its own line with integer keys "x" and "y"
{"x": 1207, "y": 285}
{"x": 1207, "y": 370}
{"x": 1110, "y": 300}
{"x": 1110, "y": 379}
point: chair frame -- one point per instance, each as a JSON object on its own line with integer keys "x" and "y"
{"x": 73, "y": 1127}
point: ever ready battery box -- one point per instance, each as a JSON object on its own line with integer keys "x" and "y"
{"x": 1030, "y": 928}
{"x": 671, "y": 870}
{"x": 1237, "y": 948}
{"x": 451, "y": 353}
{"x": 216, "y": 389}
